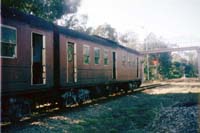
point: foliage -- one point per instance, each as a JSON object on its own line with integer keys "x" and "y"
{"x": 177, "y": 70}
{"x": 165, "y": 62}
{"x": 46, "y": 9}
{"x": 90, "y": 30}
{"x": 167, "y": 68}
{"x": 153, "y": 42}
{"x": 165, "y": 59}
{"x": 134, "y": 113}
{"x": 129, "y": 39}
{"x": 187, "y": 65}
{"x": 190, "y": 70}
{"x": 76, "y": 22}
{"x": 106, "y": 31}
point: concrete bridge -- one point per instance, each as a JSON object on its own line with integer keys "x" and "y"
{"x": 195, "y": 48}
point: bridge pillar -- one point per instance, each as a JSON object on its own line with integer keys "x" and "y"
{"x": 198, "y": 58}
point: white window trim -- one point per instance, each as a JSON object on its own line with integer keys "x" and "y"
{"x": 104, "y": 57}
{"x": 14, "y": 28}
{"x": 96, "y": 48}
{"x": 89, "y": 54}
{"x": 124, "y": 59}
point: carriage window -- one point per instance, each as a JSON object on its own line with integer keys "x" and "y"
{"x": 134, "y": 62}
{"x": 70, "y": 51}
{"x": 86, "y": 54}
{"x": 96, "y": 55}
{"x": 8, "y": 41}
{"x": 124, "y": 60}
{"x": 129, "y": 61}
{"x": 105, "y": 57}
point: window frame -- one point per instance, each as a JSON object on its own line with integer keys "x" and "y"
{"x": 105, "y": 50}
{"x": 124, "y": 59}
{"x": 86, "y": 46}
{"x": 99, "y": 61}
{"x": 69, "y": 43}
{"x": 129, "y": 59}
{"x": 15, "y": 55}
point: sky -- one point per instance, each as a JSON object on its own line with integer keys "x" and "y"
{"x": 176, "y": 21}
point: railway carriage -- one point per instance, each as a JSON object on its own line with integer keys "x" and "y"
{"x": 94, "y": 63}
{"x": 88, "y": 59}
{"x": 26, "y": 52}
{"x": 26, "y": 59}
{"x": 42, "y": 62}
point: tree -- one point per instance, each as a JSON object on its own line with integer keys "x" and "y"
{"x": 106, "y": 31}
{"x": 49, "y": 10}
{"x": 165, "y": 65}
{"x": 75, "y": 21}
{"x": 177, "y": 70}
{"x": 190, "y": 70}
{"x": 191, "y": 57}
{"x": 90, "y": 30}
{"x": 152, "y": 42}
{"x": 129, "y": 39}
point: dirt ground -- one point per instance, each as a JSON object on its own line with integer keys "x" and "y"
{"x": 174, "y": 107}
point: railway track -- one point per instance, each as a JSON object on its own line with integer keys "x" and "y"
{"x": 52, "y": 111}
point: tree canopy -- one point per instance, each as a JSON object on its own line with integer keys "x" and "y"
{"x": 49, "y": 10}
{"x": 106, "y": 31}
{"x": 130, "y": 39}
{"x": 75, "y": 22}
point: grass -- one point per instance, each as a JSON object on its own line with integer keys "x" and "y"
{"x": 133, "y": 113}
{"x": 130, "y": 113}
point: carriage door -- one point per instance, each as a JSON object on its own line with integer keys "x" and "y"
{"x": 137, "y": 67}
{"x": 38, "y": 67}
{"x": 114, "y": 65}
{"x": 71, "y": 56}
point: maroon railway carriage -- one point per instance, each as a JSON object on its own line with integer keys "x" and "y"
{"x": 86, "y": 60}
{"x": 94, "y": 63}
{"x": 26, "y": 58}
{"x": 26, "y": 52}
{"x": 42, "y": 62}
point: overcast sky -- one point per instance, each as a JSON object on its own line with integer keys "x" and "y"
{"x": 174, "y": 20}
